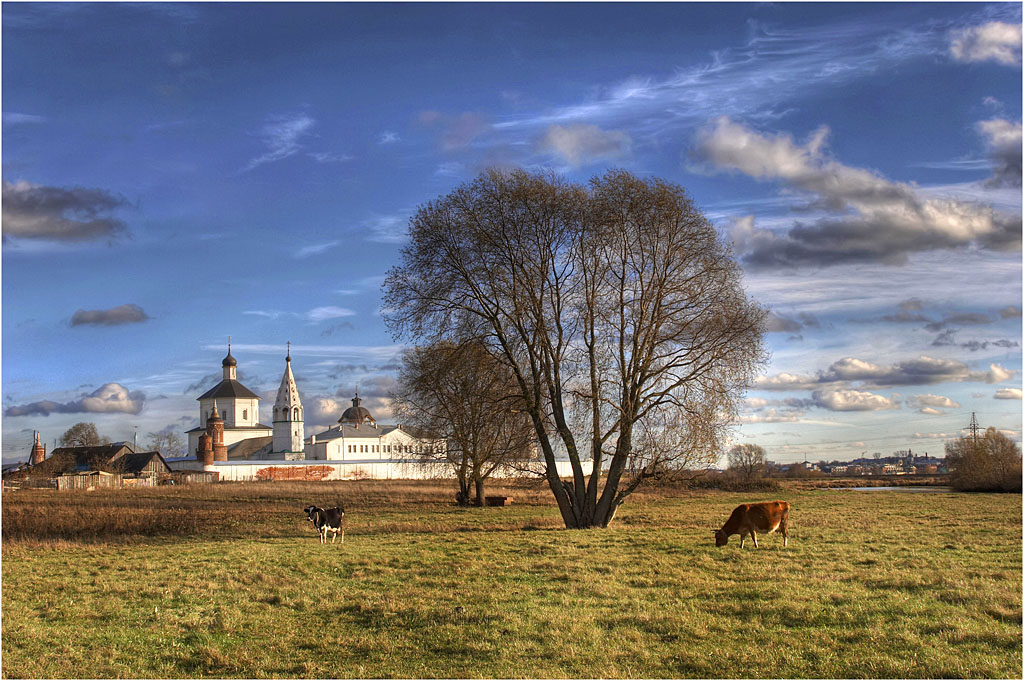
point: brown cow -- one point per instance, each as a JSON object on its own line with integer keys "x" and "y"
{"x": 765, "y": 517}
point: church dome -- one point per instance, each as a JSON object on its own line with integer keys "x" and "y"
{"x": 356, "y": 414}
{"x": 229, "y": 361}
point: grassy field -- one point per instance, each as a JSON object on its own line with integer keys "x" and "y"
{"x": 230, "y": 580}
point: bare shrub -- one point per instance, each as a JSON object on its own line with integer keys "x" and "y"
{"x": 991, "y": 463}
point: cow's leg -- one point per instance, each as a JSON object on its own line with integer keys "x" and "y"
{"x": 753, "y": 535}
{"x": 334, "y": 535}
{"x": 743, "y": 538}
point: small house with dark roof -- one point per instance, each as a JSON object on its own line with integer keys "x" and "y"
{"x": 116, "y": 457}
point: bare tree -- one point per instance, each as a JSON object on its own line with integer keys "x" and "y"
{"x": 82, "y": 434}
{"x": 460, "y": 394}
{"x": 992, "y": 463}
{"x": 747, "y": 460}
{"x": 616, "y": 307}
{"x": 167, "y": 442}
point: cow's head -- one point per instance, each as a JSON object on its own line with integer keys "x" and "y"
{"x": 310, "y": 512}
{"x": 721, "y": 538}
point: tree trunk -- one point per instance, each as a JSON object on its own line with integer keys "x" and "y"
{"x": 479, "y": 490}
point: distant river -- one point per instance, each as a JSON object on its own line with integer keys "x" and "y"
{"x": 905, "y": 488}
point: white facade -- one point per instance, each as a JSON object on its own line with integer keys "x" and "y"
{"x": 348, "y": 442}
{"x": 288, "y": 415}
{"x": 236, "y": 412}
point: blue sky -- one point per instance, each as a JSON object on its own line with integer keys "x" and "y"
{"x": 178, "y": 173}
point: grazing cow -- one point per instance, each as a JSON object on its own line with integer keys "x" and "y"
{"x": 327, "y": 520}
{"x": 765, "y": 517}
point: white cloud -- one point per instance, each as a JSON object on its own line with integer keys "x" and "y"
{"x": 269, "y": 314}
{"x": 995, "y": 41}
{"x": 875, "y": 219}
{"x": 111, "y": 397}
{"x": 787, "y": 381}
{"x": 771, "y": 416}
{"x": 108, "y": 398}
{"x": 932, "y": 401}
{"x": 319, "y": 314}
{"x": 583, "y": 143}
{"x": 282, "y": 135}
{"x": 852, "y": 400}
{"x": 1003, "y": 139}
{"x": 1008, "y": 394}
{"x": 315, "y": 249}
{"x": 358, "y": 353}
{"x": 923, "y": 370}
{"x": 12, "y": 118}
{"x": 996, "y": 374}
{"x": 325, "y": 157}
{"x": 388, "y": 137}
{"x": 388, "y": 229}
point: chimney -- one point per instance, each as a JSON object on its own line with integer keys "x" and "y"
{"x": 205, "y": 452}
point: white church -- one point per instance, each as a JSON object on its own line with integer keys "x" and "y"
{"x": 231, "y": 441}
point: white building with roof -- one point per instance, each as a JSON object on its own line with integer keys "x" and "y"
{"x": 238, "y": 406}
{"x": 357, "y": 448}
{"x": 358, "y": 437}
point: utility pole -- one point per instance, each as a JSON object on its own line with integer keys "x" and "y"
{"x": 974, "y": 428}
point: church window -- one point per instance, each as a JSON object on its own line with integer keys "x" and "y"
{"x": 296, "y": 414}
{"x": 245, "y": 414}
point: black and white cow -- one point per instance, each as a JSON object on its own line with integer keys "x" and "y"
{"x": 327, "y": 520}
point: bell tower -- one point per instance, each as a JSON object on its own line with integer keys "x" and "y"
{"x": 288, "y": 415}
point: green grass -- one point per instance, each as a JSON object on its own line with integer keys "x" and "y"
{"x": 873, "y": 584}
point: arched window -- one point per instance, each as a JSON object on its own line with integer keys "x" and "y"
{"x": 295, "y": 415}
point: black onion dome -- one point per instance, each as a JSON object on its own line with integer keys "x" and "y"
{"x": 229, "y": 361}
{"x": 356, "y": 414}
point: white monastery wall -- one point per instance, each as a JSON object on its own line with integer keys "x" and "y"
{"x": 357, "y": 469}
